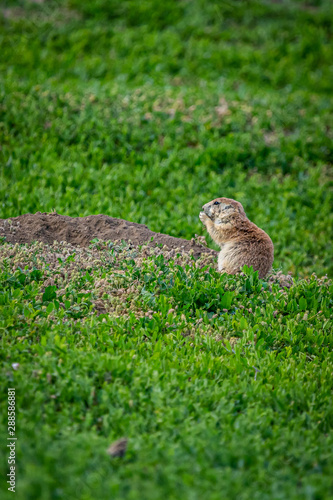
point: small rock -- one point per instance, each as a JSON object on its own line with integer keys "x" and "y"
{"x": 118, "y": 448}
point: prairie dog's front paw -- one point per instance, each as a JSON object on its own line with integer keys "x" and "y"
{"x": 203, "y": 217}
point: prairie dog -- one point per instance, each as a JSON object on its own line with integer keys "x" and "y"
{"x": 241, "y": 241}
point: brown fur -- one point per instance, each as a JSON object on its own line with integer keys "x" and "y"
{"x": 241, "y": 241}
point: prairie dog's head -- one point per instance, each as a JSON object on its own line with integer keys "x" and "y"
{"x": 222, "y": 208}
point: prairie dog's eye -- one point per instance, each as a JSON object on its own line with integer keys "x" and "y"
{"x": 216, "y": 202}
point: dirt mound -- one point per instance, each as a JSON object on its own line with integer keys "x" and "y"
{"x": 79, "y": 231}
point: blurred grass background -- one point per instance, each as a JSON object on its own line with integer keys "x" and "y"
{"x": 146, "y": 110}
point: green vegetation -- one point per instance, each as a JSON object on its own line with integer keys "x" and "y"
{"x": 145, "y": 110}
{"x": 220, "y": 384}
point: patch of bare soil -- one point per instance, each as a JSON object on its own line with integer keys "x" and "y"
{"x": 80, "y": 231}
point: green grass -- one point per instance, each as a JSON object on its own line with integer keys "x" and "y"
{"x": 148, "y": 111}
{"x": 145, "y": 111}
{"x": 220, "y": 384}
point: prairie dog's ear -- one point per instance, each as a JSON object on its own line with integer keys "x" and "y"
{"x": 240, "y": 208}
{"x": 226, "y": 206}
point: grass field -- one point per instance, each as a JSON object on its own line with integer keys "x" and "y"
{"x": 145, "y": 111}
